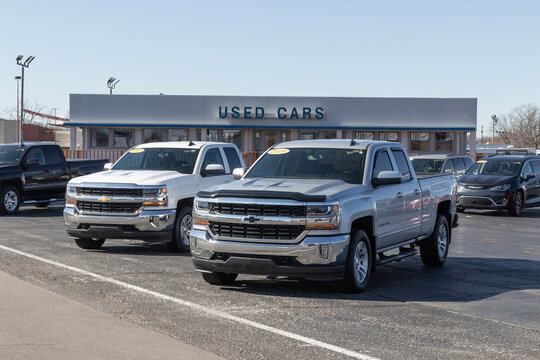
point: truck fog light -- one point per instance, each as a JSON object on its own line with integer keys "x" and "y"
{"x": 323, "y": 251}
{"x": 154, "y": 220}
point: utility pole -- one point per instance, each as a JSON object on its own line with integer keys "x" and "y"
{"x": 23, "y": 65}
{"x": 494, "y": 119}
{"x": 17, "y": 121}
{"x": 111, "y": 83}
{"x": 482, "y": 132}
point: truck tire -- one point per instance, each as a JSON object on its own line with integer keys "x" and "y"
{"x": 182, "y": 227}
{"x": 358, "y": 266}
{"x": 10, "y": 200}
{"x": 42, "y": 204}
{"x": 88, "y": 243}
{"x": 515, "y": 208}
{"x": 434, "y": 249}
{"x": 219, "y": 278}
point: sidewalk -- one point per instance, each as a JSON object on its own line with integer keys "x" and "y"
{"x": 38, "y": 324}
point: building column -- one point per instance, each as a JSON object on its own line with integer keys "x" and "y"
{"x": 87, "y": 139}
{"x": 294, "y": 135}
{"x": 404, "y": 139}
{"x": 339, "y": 134}
{"x": 138, "y": 136}
{"x": 473, "y": 144}
{"x": 203, "y": 134}
{"x": 73, "y": 137}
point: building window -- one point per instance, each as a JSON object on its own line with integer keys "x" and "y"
{"x": 444, "y": 141}
{"x": 419, "y": 141}
{"x": 153, "y": 135}
{"x": 308, "y": 135}
{"x": 100, "y": 138}
{"x": 123, "y": 138}
{"x": 233, "y": 136}
{"x": 212, "y": 135}
{"x": 177, "y": 134}
{"x": 363, "y": 135}
{"x": 389, "y": 136}
{"x": 327, "y": 135}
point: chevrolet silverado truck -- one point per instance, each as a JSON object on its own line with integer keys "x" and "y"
{"x": 147, "y": 194}
{"x": 37, "y": 173}
{"x": 323, "y": 210}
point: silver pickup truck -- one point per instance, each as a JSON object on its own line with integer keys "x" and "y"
{"x": 323, "y": 210}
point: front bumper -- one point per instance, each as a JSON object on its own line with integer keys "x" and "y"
{"x": 303, "y": 260}
{"x": 482, "y": 199}
{"x": 149, "y": 225}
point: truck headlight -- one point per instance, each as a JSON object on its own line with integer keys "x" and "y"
{"x": 71, "y": 190}
{"x": 502, "y": 187}
{"x": 202, "y": 205}
{"x": 155, "y": 196}
{"x": 323, "y": 217}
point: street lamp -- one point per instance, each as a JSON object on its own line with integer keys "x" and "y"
{"x": 17, "y": 121}
{"x": 23, "y": 65}
{"x": 111, "y": 83}
{"x": 494, "y": 119}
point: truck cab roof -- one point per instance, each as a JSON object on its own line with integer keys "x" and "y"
{"x": 180, "y": 144}
{"x": 332, "y": 143}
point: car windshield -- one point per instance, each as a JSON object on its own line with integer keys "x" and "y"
{"x": 501, "y": 167}
{"x": 11, "y": 155}
{"x": 427, "y": 165}
{"x": 181, "y": 160}
{"x": 300, "y": 163}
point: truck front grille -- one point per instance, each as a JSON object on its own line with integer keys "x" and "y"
{"x": 95, "y": 191}
{"x": 106, "y": 207}
{"x": 250, "y": 231}
{"x": 258, "y": 209}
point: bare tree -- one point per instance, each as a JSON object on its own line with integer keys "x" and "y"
{"x": 10, "y": 112}
{"x": 521, "y": 127}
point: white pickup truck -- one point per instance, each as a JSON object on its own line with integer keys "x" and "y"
{"x": 147, "y": 194}
{"x": 323, "y": 210}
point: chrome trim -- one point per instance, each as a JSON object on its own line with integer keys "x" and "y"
{"x": 112, "y": 199}
{"x": 296, "y": 240}
{"x": 262, "y": 220}
{"x": 41, "y": 201}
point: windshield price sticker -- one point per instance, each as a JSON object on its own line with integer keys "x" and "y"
{"x": 278, "y": 151}
{"x": 136, "y": 151}
{"x": 481, "y": 161}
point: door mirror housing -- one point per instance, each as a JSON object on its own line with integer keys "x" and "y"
{"x": 31, "y": 162}
{"x": 386, "y": 178}
{"x": 238, "y": 173}
{"x": 448, "y": 171}
{"x": 213, "y": 170}
{"x": 107, "y": 166}
{"x": 529, "y": 177}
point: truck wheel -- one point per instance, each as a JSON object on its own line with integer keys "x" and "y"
{"x": 10, "y": 200}
{"x": 219, "y": 278}
{"x": 434, "y": 249}
{"x": 88, "y": 243}
{"x": 358, "y": 266}
{"x": 515, "y": 208}
{"x": 182, "y": 227}
{"x": 42, "y": 204}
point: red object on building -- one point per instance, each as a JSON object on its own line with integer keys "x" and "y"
{"x": 32, "y": 132}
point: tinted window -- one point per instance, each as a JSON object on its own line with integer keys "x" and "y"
{"x": 232, "y": 158}
{"x": 468, "y": 162}
{"x": 213, "y": 156}
{"x": 36, "y": 154}
{"x": 403, "y": 166}
{"x": 52, "y": 156}
{"x": 527, "y": 169}
{"x": 449, "y": 165}
{"x": 459, "y": 164}
{"x": 427, "y": 165}
{"x": 536, "y": 166}
{"x": 181, "y": 160}
{"x": 10, "y": 155}
{"x": 496, "y": 167}
{"x": 382, "y": 163}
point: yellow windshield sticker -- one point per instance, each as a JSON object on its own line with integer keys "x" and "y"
{"x": 278, "y": 151}
{"x": 136, "y": 151}
{"x": 481, "y": 161}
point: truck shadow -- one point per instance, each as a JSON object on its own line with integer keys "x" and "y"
{"x": 30, "y": 211}
{"x": 528, "y": 213}
{"x": 460, "y": 280}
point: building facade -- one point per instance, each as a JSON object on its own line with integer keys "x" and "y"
{"x": 422, "y": 125}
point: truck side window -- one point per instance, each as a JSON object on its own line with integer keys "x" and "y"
{"x": 536, "y": 166}
{"x": 232, "y": 158}
{"x": 52, "y": 156}
{"x": 468, "y": 162}
{"x": 212, "y": 156}
{"x": 382, "y": 163}
{"x": 448, "y": 166}
{"x": 460, "y": 165}
{"x": 403, "y": 166}
{"x": 36, "y": 153}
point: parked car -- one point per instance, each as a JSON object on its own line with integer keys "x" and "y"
{"x": 37, "y": 173}
{"x": 426, "y": 165}
{"x": 147, "y": 194}
{"x": 501, "y": 182}
{"x": 323, "y": 210}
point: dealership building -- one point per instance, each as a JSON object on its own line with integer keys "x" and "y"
{"x": 254, "y": 123}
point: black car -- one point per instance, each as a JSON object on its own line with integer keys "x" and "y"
{"x": 501, "y": 182}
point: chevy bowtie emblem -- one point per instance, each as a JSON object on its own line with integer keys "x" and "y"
{"x": 251, "y": 219}
{"x": 104, "y": 198}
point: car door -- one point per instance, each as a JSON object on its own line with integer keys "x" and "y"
{"x": 459, "y": 167}
{"x": 36, "y": 174}
{"x": 527, "y": 183}
{"x": 389, "y": 203}
{"x": 448, "y": 167}
{"x": 58, "y": 171}
{"x": 536, "y": 169}
{"x": 214, "y": 155}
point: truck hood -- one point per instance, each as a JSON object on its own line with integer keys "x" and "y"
{"x": 267, "y": 187}
{"x": 137, "y": 177}
{"x": 485, "y": 180}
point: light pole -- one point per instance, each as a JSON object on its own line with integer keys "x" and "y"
{"x": 494, "y": 119}
{"x": 17, "y": 121}
{"x": 111, "y": 83}
{"x": 23, "y": 65}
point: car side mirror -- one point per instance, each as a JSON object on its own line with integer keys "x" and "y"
{"x": 107, "y": 166}
{"x": 448, "y": 171}
{"x": 386, "y": 178}
{"x": 31, "y": 162}
{"x": 238, "y": 173}
{"x": 213, "y": 170}
{"x": 530, "y": 176}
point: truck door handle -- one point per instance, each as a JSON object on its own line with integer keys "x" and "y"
{"x": 399, "y": 195}
{"x": 416, "y": 191}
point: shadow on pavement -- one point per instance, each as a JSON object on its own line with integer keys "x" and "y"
{"x": 528, "y": 213}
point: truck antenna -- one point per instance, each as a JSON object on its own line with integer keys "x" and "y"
{"x": 352, "y": 142}
{"x": 191, "y": 143}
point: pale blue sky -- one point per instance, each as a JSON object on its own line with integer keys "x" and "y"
{"x": 484, "y": 49}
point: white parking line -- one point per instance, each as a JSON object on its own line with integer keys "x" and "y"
{"x": 200, "y": 308}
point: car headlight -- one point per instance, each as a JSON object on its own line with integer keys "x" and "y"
{"x": 502, "y": 187}
{"x": 460, "y": 188}
{"x": 155, "y": 196}
{"x": 323, "y": 217}
{"x": 202, "y": 205}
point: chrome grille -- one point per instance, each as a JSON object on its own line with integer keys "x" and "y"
{"x": 96, "y": 191}
{"x": 251, "y": 231}
{"x": 108, "y": 207}
{"x": 258, "y": 209}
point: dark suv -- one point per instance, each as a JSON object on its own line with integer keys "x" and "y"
{"x": 501, "y": 182}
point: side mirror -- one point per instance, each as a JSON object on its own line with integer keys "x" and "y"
{"x": 213, "y": 170}
{"x": 448, "y": 171}
{"x": 107, "y": 166}
{"x": 530, "y": 176}
{"x": 31, "y": 162}
{"x": 386, "y": 178}
{"x": 238, "y": 173}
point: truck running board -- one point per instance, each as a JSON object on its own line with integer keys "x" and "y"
{"x": 402, "y": 254}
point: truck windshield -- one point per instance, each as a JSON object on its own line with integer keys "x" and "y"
{"x": 10, "y": 155}
{"x": 501, "y": 167}
{"x": 427, "y": 165}
{"x": 300, "y": 163}
{"x": 181, "y": 160}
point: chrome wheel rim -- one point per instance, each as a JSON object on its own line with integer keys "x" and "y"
{"x": 361, "y": 262}
{"x": 10, "y": 201}
{"x": 442, "y": 241}
{"x": 185, "y": 228}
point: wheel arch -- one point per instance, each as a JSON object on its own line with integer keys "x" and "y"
{"x": 182, "y": 203}
{"x": 366, "y": 224}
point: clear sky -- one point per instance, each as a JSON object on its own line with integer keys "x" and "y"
{"x": 489, "y": 50}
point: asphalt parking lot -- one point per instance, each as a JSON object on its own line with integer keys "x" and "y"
{"x": 483, "y": 304}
